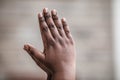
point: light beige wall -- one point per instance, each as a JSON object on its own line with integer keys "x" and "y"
{"x": 90, "y": 24}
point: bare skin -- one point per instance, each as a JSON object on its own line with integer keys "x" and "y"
{"x": 58, "y": 57}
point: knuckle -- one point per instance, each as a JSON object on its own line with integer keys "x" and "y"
{"x": 69, "y": 41}
{"x": 66, "y": 41}
{"x": 50, "y": 42}
{"x": 45, "y": 29}
{"x": 51, "y": 26}
{"x": 55, "y": 17}
{"x": 64, "y": 23}
{"x": 41, "y": 19}
{"x": 31, "y": 52}
{"x": 72, "y": 42}
{"x": 61, "y": 42}
{"x": 59, "y": 27}
{"x": 47, "y": 15}
{"x": 67, "y": 31}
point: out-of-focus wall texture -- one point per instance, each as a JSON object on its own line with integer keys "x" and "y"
{"x": 116, "y": 37}
{"x": 90, "y": 24}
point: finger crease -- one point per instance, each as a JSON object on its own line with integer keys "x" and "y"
{"x": 45, "y": 29}
{"x": 67, "y": 31}
{"x": 47, "y": 15}
{"x": 64, "y": 23}
{"x": 55, "y": 17}
{"x": 59, "y": 27}
{"x": 51, "y": 26}
{"x": 42, "y": 20}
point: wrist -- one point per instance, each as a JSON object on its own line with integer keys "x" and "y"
{"x": 67, "y": 74}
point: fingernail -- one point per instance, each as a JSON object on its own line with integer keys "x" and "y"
{"x": 54, "y": 12}
{"x": 64, "y": 19}
{"x": 45, "y": 10}
{"x": 26, "y": 47}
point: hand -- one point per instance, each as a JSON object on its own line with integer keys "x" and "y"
{"x": 58, "y": 56}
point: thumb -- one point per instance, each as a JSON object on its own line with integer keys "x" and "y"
{"x": 32, "y": 51}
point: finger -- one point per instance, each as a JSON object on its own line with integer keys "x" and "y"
{"x": 43, "y": 36}
{"x": 50, "y": 23}
{"x": 57, "y": 22}
{"x": 66, "y": 28}
{"x": 37, "y": 56}
{"x": 45, "y": 32}
{"x": 41, "y": 65}
{"x": 34, "y": 52}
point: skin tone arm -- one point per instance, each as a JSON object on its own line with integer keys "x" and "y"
{"x": 58, "y": 57}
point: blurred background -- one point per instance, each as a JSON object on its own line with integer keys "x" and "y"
{"x": 94, "y": 25}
